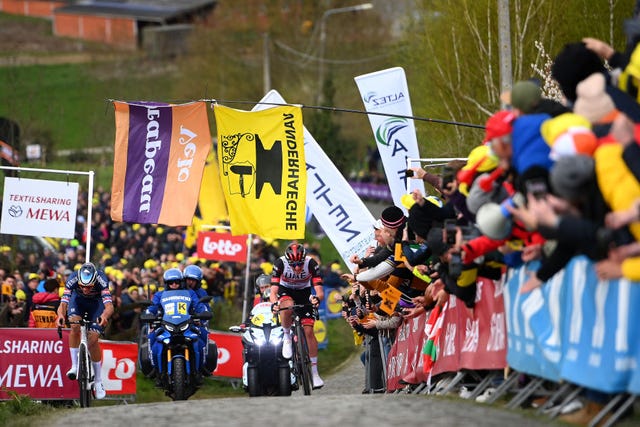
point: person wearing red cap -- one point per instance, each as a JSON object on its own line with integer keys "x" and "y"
{"x": 498, "y": 135}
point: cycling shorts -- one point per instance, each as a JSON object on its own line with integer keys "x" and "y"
{"x": 299, "y": 296}
{"x": 93, "y": 307}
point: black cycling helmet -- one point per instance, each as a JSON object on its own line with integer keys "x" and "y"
{"x": 173, "y": 275}
{"x": 87, "y": 274}
{"x": 295, "y": 252}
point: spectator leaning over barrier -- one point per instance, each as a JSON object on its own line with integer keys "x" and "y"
{"x": 45, "y": 306}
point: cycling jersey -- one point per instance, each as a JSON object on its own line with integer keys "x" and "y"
{"x": 100, "y": 288}
{"x": 284, "y": 275}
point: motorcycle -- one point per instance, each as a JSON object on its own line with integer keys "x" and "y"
{"x": 265, "y": 371}
{"x": 179, "y": 371}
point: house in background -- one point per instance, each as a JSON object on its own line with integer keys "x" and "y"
{"x": 158, "y": 26}
{"x": 36, "y": 8}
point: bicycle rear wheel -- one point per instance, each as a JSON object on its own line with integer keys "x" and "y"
{"x": 303, "y": 360}
{"x": 84, "y": 377}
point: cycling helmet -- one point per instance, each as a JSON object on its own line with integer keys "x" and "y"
{"x": 263, "y": 280}
{"x": 173, "y": 275}
{"x": 87, "y": 274}
{"x": 295, "y": 253}
{"x": 193, "y": 272}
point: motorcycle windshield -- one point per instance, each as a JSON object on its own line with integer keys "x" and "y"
{"x": 175, "y": 306}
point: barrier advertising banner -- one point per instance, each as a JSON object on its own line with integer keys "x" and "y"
{"x": 575, "y": 324}
{"x": 466, "y": 341}
{"x": 34, "y": 362}
{"x": 477, "y": 341}
{"x": 229, "y": 354}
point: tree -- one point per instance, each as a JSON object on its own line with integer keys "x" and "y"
{"x": 454, "y": 45}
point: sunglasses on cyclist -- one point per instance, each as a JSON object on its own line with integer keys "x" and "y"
{"x": 296, "y": 263}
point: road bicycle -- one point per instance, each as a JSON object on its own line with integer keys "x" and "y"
{"x": 85, "y": 373}
{"x": 301, "y": 360}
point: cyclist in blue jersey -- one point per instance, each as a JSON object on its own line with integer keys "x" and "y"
{"x": 294, "y": 274}
{"x": 87, "y": 292}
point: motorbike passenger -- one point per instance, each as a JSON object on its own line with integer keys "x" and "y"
{"x": 173, "y": 281}
{"x": 193, "y": 279}
{"x": 293, "y": 275}
{"x": 263, "y": 288}
{"x": 87, "y": 292}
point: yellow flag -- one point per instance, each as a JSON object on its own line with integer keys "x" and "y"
{"x": 390, "y": 298}
{"x": 211, "y": 208}
{"x": 263, "y": 170}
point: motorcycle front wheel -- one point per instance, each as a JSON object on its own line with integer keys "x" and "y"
{"x": 253, "y": 381}
{"x": 179, "y": 377}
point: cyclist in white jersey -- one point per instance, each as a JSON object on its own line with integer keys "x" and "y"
{"x": 293, "y": 275}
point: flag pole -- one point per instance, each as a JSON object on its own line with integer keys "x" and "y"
{"x": 245, "y": 298}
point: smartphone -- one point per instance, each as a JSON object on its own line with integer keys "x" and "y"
{"x": 450, "y": 231}
{"x": 537, "y": 187}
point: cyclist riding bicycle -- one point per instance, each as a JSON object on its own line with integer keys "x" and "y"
{"x": 193, "y": 279}
{"x": 86, "y": 292}
{"x": 173, "y": 281}
{"x": 293, "y": 275}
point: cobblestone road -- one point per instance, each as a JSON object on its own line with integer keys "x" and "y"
{"x": 340, "y": 402}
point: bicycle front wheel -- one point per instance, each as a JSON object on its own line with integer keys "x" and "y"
{"x": 84, "y": 377}
{"x": 304, "y": 362}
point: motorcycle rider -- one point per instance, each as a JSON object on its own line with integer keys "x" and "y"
{"x": 193, "y": 279}
{"x": 293, "y": 275}
{"x": 173, "y": 281}
{"x": 87, "y": 292}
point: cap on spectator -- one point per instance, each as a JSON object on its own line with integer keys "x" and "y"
{"x": 499, "y": 124}
{"x": 132, "y": 289}
{"x": 335, "y": 267}
{"x": 572, "y": 176}
{"x": 574, "y": 63}
{"x": 392, "y": 217}
{"x": 569, "y": 134}
{"x": 33, "y": 276}
{"x": 20, "y": 295}
{"x": 51, "y": 285}
{"x": 592, "y": 101}
{"x": 525, "y": 96}
{"x": 266, "y": 267}
{"x": 418, "y": 221}
{"x": 478, "y": 196}
{"x": 435, "y": 241}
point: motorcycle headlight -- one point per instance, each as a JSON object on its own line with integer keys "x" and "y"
{"x": 275, "y": 339}
{"x": 184, "y": 326}
{"x": 258, "y": 337}
{"x": 169, "y": 327}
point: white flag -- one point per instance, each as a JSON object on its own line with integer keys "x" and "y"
{"x": 386, "y": 91}
{"x": 338, "y": 209}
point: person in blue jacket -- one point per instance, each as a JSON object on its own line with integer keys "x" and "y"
{"x": 193, "y": 279}
{"x": 173, "y": 281}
